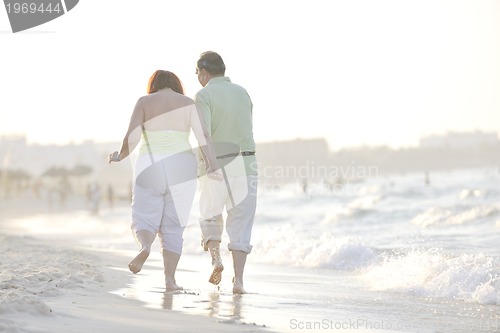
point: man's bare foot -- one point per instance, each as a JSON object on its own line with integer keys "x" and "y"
{"x": 136, "y": 264}
{"x": 172, "y": 286}
{"x": 216, "y": 276}
{"x": 238, "y": 287}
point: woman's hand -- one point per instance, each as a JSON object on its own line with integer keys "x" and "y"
{"x": 115, "y": 157}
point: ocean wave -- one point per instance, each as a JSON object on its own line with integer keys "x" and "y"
{"x": 440, "y": 216}
{"x": 422, "y": 272}
{"x": 286, "y": 245}
{"x": 432, "y": 273}
{"x": 357, "y": 208}
{"x": 10, "y": 326}
{"x": 469, "y": 193}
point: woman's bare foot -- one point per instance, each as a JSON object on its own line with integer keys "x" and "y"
{"x": 136, "y": 264}
{"x": 216, "y": 276}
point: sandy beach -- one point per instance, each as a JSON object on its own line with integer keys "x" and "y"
{"x": 50, "y": 283}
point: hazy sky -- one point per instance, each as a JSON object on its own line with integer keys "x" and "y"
{"x": 355, "y": 72}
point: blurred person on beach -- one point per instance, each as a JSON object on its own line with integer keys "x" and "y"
{"x": 111, "y": 196}
{"x": 165, "y": 173}
{"x": 227, "y": 111}
{"x": 95, "y": 197}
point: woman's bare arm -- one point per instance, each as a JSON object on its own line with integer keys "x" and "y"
{"x": 133, "y": 135}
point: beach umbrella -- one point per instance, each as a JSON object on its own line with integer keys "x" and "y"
{"x": 56, "y": 172}
{"x": 80, "y": 170}
{"x": 17, "y": 174}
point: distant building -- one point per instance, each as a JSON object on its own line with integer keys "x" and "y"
{"x": 12, "y": 148}
{"x": 293, "y": 151}
{"x": 293, "y": 160}
{"x": 457, "y": 140}
{"x": 9, "y": 143}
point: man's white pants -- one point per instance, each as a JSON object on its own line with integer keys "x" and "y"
{"x": 238, "y": 195}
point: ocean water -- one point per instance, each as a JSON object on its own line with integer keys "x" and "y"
{"x": 387, "y": 254}
{"x": 391, "y": 251}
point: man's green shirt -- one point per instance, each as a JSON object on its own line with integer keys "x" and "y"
{"x": 227, "y": 111}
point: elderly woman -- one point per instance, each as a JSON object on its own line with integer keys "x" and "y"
{"x": 165, "y": 172}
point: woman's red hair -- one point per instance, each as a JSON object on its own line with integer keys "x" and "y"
{"x": 164, "y": 79}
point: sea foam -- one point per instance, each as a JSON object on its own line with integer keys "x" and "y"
{"x": 433, "y": 273}
{"x": 355, "y": 209}
{"x": 441, "y": 216}
{"x": 288, "y": 245}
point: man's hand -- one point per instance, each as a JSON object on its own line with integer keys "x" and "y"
{"x": 216, "y": 175}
